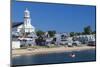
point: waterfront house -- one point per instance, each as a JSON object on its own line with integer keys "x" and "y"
{"x": 85, "y": 38}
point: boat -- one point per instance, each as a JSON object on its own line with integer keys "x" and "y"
{"x": 72, "y": 55}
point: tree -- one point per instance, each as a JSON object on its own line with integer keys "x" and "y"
{"x": 72, "y": 34}
{"x": 78, "y": 33}
{"x": 52, "y": 33}
{"x": 82, "y": 33}
{"x": 94, "y": 32}
{"x": 87, "y": 30}
{"x": 40, "y": 33}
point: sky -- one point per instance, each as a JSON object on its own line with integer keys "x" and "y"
{"x": 59, "y": 17}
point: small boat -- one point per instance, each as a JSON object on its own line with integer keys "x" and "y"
{"x": 72, "y": 55}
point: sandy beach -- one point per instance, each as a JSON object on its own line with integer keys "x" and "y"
{"x": 32, "y": 51}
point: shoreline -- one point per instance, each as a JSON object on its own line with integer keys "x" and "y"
{"x": 21, "y": 52}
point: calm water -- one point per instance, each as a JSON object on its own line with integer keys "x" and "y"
{"x": 87, "y": 55}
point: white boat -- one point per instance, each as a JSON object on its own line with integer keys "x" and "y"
{"x": 72, "y": 55}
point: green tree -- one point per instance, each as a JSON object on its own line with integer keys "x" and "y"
{"x": 39, "y": 32}
{"x": 78, "y": 33}
{"x": 87, "y": 30}
{"x": 82, "y": 33}
{"x": 52, "y": 33}
{"x": 72, "y": 34}
{"x": 94, "y": 32}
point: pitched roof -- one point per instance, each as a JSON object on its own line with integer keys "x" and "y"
{"x": 15, "y": 24}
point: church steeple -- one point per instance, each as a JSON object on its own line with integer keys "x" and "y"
{"x": 27, "y": 19}
{"x": 26, "y": 13}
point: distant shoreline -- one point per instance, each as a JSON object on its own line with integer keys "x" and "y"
{"x": 32, "y": 51}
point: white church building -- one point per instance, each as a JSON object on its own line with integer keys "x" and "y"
{"x": 26, "y": 27}
{"x": 26, "y": 33}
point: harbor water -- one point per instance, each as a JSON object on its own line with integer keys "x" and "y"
{"x": 53, "y": 58}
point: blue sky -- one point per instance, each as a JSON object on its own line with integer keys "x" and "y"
{"x": 59, "y": 17}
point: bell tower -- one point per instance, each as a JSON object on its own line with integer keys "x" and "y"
{"x": 27, "y": 19}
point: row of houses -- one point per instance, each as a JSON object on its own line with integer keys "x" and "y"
{"x": 85, "y": 38}
{"x": 19, "y": 41}
{"x": 24, "y": 35}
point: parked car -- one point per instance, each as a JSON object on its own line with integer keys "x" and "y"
{"x": 76, "y": 43}
{"x": 65, "y": 42}
{"x": 69, "y": 43}
{"x": 91, "y": 43}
